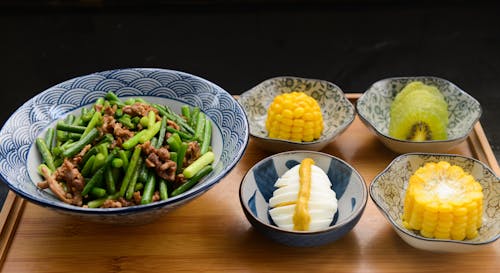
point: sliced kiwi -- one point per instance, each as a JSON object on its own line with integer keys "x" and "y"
{"x": 419, "y": 113}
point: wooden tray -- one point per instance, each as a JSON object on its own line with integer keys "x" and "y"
{"x": 212, "y": 233}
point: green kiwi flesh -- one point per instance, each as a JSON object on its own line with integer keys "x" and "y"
{"x": 419, "y": 113}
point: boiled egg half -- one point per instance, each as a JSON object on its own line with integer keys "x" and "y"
{"x": 304, "y": 199}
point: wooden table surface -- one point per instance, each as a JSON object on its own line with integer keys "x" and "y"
{"x": 212, "y": 234}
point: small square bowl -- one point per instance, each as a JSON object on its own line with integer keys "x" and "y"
{"x": 257, "y": 187}
{"x": 388, "y": 191}
{"x": 338, "y": 112}
{"x": 374, "y": 106}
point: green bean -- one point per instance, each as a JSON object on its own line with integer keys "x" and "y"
{"x": 194, "y": 116}
{"x": 135, "y": 120}
{"x": 98, "y": 192}
{"x": 88, "y": 115}
{"x": 150, "y": 132}
{"x": 46, "y": 154}
{"x": 41, "y": 166}
{"x": 98, "y": 175}
{"x": 133, "y": 180}
{"x": 142, "y": 136}
{"x": 144, "y": 121}
{"x": 198, "y": 164}
{"x": 163, "y": 190}
{"x": 174, "y": 142}
{"x": 99, "y": 101}
{"x": 130, "y": 101}
{"x": 96, "y": 118}
{"x": 127, "y": 122}
{"x": 147, "y": 194}
{"x": 99, "y": 161}
{"x": 132, "y": 166}
{"x": 151, "y": 119}
{"x": 87, "y": 167}
{"x": 110, "y": 180}
{"x": 78, "y": 146}
{"x": 99, "y": 202}
{"x": 143, "y": 173}
{"x": 119, "y": 113}
{"x": 193, "y": 180}
{"x": 138, "y": 187}
{"x": 200, "y": 125}
{"x": 186, "y": 112}
{"x": 103, "y": 149}
{"x": 180, "y": 121}
{"x": 117, "y": 163}
{"x": 207, "y": 136}
{"x": 124, "y": 157}
{"x": 113, "y": 98}
{"x": 180, "y": 156}
{"x": 161, "y": 134}
{"x": 49, "y": 138}
{"x": 70, "y": 128}
{"x": 183, "y": 135}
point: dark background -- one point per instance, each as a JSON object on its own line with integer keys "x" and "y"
{"x": 237, "y": 44}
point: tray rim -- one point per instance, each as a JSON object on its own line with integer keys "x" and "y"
{"x": 13, "y": 207}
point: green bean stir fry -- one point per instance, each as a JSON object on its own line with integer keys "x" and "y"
{"x": 121, "y": 153}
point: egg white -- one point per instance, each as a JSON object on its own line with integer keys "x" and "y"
{"x": 322, "y": 204}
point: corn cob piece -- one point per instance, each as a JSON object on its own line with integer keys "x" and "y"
{"x": 294, "y": 116}
{"x": 443, "y": 202}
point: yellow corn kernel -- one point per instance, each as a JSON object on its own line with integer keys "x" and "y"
{"x": 444, "y": 202}
{"x": 294, "y": 116}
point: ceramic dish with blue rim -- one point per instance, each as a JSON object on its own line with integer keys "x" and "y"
{"x": 19, "y": 157}
{"x": 338, "y": 112}
{"x": 374, "y": 106}
{"x": 257, "y": 188}
{"x": 388, "y": 191}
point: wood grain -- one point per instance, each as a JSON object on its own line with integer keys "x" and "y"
{"x": 211, "y": 233}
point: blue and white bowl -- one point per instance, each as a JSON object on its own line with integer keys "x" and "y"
{"x": 19, "y": 157}
{"x": 257, "y": 188}
{"x": 374, "y": 106}
{"x": 388, "y": 191}
{"x": 338, "y": 112}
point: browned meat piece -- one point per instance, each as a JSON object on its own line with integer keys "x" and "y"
{"x": 160, "y": 160}
{"x": 112, "y": 204}
{"x": 137, "y": 197}
{"x": 172, "y": 124}
{"x": 108, "y": 124}
{"x": 156, "y": 196}
{"x": 119, "y": 203}
{"x": 139, "y": 109}
{"x": 110, "y": 110}
{"x": 78, "y": 158}
{"x": 192, "y": 153}
{"x": 59, "y": 191}
{"x": 167, "y": 170}
{"x": 69, "y": 173}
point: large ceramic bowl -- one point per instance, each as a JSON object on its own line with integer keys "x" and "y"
{"x": 389, "y": 187}
{"x": 19, "y": 157}
{"x": 257, "y": 188}
{"x": 374, "y": 105}
{"x": 338, "y": 112}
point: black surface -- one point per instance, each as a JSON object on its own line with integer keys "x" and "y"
{"x": 352, "y": 44}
